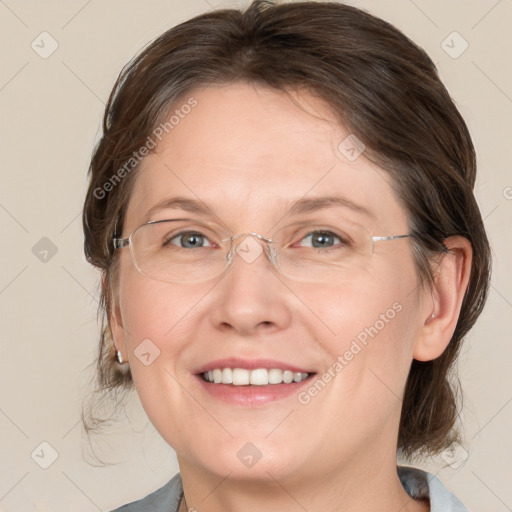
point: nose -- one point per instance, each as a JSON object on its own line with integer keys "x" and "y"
{"x": 251, "y": 298}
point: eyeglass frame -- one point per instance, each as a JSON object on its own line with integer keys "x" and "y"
{"x": 120, "y": 242}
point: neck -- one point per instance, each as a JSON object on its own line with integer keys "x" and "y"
{"x": 353, "y": 488}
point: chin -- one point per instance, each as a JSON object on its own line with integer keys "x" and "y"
{"x": 258, "y": 460}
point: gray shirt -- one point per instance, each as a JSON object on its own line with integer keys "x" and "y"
{"x": 416, "y": 482}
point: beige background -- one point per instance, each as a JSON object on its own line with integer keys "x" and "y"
{"x": 51, "y": 111}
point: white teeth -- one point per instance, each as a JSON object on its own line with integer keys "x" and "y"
{"x": 240, "y": 377}
{"x": 227, "y": 376}
{"x": 275, "y": 376}
{"x": 287, "y": 377}
{"x": 257, "y": 377}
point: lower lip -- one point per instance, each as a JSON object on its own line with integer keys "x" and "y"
{"x": 252, "y": 395}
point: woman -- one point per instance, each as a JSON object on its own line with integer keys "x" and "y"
{"x": 281, "y": 207}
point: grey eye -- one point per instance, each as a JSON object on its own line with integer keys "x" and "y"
{"x": 189, "y": 240}
{"x": 322, "y": 239}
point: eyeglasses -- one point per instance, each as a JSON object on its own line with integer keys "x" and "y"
{"x": 187, "y": 250}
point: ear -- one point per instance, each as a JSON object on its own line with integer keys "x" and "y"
{"x": 440, "y": 314}
{"x": 115, "y": 320}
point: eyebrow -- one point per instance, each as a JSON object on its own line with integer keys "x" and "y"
{"x": 303, "y": 205}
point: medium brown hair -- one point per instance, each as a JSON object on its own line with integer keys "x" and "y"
{"x": 379, "y": 84}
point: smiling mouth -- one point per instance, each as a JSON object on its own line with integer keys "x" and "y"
{"x": 256, "y": 377}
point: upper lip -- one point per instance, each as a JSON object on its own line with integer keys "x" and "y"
{"x": 250, "y": 364}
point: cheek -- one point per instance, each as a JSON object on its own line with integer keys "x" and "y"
{"x": 366, "y": 370}
{"x": 158, "y": 319}
{"x": 363, "y": 308}
{"x": 155, "y": 310}
{"x": 371, "y": 322}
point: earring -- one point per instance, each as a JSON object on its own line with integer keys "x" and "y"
{"x": 119, "y": 357}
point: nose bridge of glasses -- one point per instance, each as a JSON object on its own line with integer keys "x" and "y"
{"x": 240, "y": 237}
{"x": 250, "y": 245}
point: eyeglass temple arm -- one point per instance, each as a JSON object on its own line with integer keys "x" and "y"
{"x": 119, "y": 243}
{"x": 379, "y": 238}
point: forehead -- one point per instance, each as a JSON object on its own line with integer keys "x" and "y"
{"x": 249, "y": 151}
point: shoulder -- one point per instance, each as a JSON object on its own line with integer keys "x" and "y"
{"x": 165, "y": 499}
{"x": 420, "y": 484}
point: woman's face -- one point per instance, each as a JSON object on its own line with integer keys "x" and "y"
{"x": 249, "y": 153}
